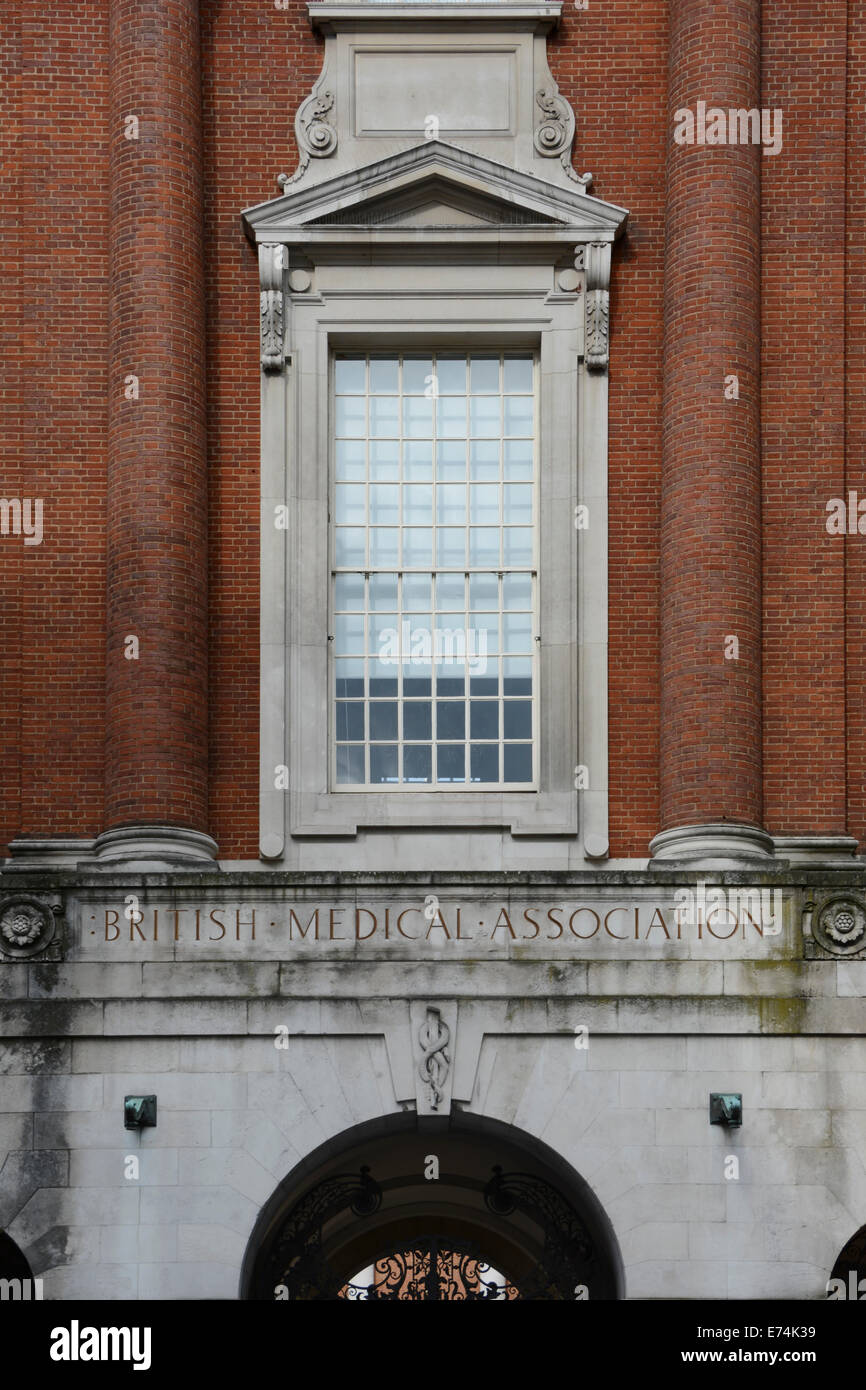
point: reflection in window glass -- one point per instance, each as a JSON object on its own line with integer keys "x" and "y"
{"x": 434, "y": 570}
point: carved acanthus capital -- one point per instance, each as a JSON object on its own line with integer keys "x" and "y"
{"x": 596, "y": 263}
{"x": 272, "y": 263}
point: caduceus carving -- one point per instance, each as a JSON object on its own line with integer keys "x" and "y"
{"x": 434, "y": 1036}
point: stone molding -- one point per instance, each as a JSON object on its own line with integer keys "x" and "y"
{"x": 717, "y": 846}
{"x": 157, "y": 846}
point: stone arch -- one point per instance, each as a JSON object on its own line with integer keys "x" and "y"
{"x": 501, "y": 1197}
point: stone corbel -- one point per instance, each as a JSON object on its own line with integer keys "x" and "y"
{"x": 314, "y": 131}
{"x": 272, "y": 260}
{"x": 554, "y": 134}
{"x": 595, "y": 260}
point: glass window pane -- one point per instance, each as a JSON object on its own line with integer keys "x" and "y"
{"x": 450, "y": 593}
{"x": 484, "y": 719}
{"x": 516, "y": 591}
{"x": 349, "y": 634}
{"x": 450, "y": 545}
{"x": 518, "y": 719}
{"x": 451, "y": 504}
{"x": 484, "y": 461}
{"x": 349, "y": 677}
{"x": 417, "y": 680}
{"x": 517, "y": 374}
{"x": 383, "y": 678}
{"x": 518, "y": 459}
{"x": 517, "y": 676}
{"x": 484, "y": 546}
{"x": 383, "y": 591}
{"x": 451, "y": 462}
{"x": 350, "y": 459}
{"x": 384, "y": 546}
{"x": 451, "y": 375}
{"x": 417, "y": 548}
{"x": 449, "y": 683}
{"x": 383, "y": 719}
{"x": 350, "y": 546}
{"x": 518, "y": 415}
{"x": 486, "y": 682}
{"x": 517, "y": 632}
{"x": 350, "y": 375}
{"x": 349, "y": 592}
{"x": 416, "y": 637}
{"x": 417, "y": 417}
{"x": 484, "y": 504}
{"x": 417, "y": 375}
{"x": 384, "y": 415}
{"x": 450, "y": 762}
{"x": 517, "y": 762}
{"x": 416, "y": 763}
{"x": 484, "y": 374}
{"x": 384, "y": 505}
{"x": 351, "y": 499}
{"x": 450, "y": 718}
{"x": 350, "y": 720}
{"x": 517, "y": 504}
{"x": 484, "y": 762}
{"x": 417, "y": 505}
{"x": 417, "y": 461}
{"x": 451, "y": 417}
{"x": 351, "y": 415}
{"x": 517, "y": 548}
{"x": 383, "y": 762}
{"x": 384, "y": 375}
{"x": 384, "y": 460}
{"x": 483, "y": 591}
{"x": 383, "y": 635}
{"x": 484, "y": 418}
{"x": 417, "y": 592}
{"x": 417, "y": 720}
{"x": 485, "y": 628}
{"x": 350, "y": 764}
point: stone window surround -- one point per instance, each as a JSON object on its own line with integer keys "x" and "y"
{"x": 513, "y": 305}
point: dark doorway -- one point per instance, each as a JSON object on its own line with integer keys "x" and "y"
{"x": 475, "y": 1210}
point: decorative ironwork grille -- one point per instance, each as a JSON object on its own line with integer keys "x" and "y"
{"x": 429, "y": 1269}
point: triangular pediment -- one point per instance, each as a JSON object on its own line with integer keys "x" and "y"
{"x": 434, "y": 186}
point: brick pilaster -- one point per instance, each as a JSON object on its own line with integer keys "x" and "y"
{"x": 156, "y": 753}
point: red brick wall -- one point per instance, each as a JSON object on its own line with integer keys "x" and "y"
{"x": 53, "y": 379}
{"x": 611, "y": 62}
{"x": 156, "y": 707}
{"x": 854, "y": 327}
{"x": 803, "y": 419}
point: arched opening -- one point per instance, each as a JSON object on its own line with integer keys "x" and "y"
{"x": 396, "y": 1211}
{"x": 848, "y": 1279}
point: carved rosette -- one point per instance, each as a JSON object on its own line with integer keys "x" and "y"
{"x": 26, "y": 926}
{"x": 839, "y": 924}
{"x": 596, "y": 261}
{"x": 271, "y": 266}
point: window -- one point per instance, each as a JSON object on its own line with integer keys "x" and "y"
{"x": 434, "y": 570}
